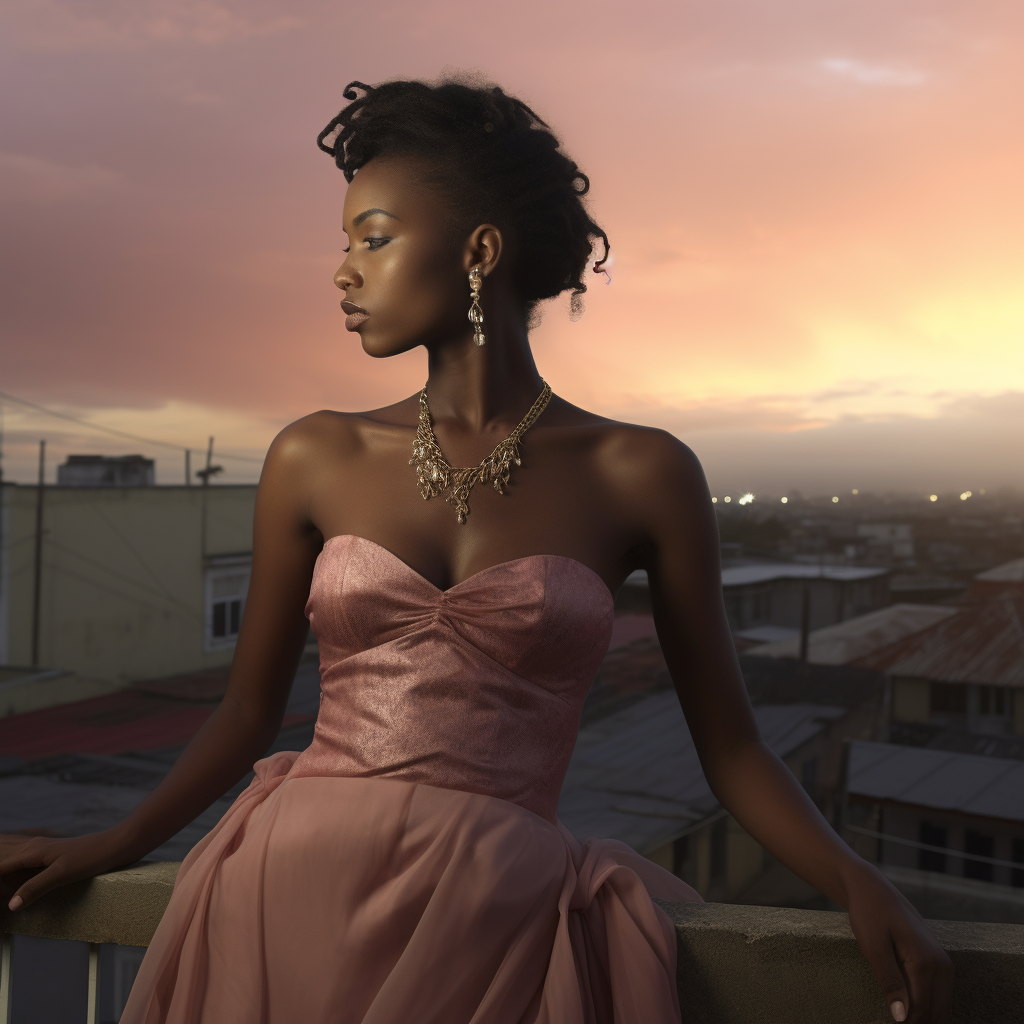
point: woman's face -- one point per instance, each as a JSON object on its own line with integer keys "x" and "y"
{"x": 404, "y": 278}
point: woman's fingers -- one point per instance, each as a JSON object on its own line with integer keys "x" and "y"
{"x": 39, "y": 884}
{"x": 882, "y": 957}
{"x": 929, "y": 973}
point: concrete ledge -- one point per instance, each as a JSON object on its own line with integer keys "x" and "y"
{"x": 771, "y": 965}
{"x": 122, "y": 907}
{"x": 737, "y": 964}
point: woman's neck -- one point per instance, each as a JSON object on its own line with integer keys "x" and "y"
{"x": 481, "y": 386}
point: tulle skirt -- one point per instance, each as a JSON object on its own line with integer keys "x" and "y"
{"x": 332, "y": 900}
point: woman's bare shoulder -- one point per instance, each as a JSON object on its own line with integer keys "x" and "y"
{"x": 633, "y": 451}
{"x": 333, "y": 435}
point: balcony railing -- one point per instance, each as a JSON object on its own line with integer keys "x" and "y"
{"x": 737, "y": 964}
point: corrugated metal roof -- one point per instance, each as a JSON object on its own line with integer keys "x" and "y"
{"x": 1008, "y": 572}
{"x": 856, "y": 638}
{"x": 742, "y": 575}
{"x": 635, "y": 775}
{"x": 992, "y": 787}
{"x": 982, "y": 643}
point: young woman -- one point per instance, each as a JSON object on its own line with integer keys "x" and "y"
{"x": 409, "y": 866}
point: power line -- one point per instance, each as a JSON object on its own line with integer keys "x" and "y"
{"x": 117, "y": 433}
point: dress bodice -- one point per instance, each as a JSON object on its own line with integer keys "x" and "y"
{"x": 477, "y": 688}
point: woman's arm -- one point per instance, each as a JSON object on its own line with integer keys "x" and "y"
{"x": 680, "y": 550}
{"x": 270, "y": 642}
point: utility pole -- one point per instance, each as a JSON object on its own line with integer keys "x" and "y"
{"x": 38, "y": 560}
{"x": 188, "y": 467}
{"x": 805, "y": 621}
{"x": 206, "y": 473}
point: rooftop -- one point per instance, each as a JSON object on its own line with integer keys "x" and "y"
{"x": 1008, "y": 572}
{"x": 762, "y": 572}
{"x": 990, "y": 787}
{"x": 856, "y": 638}
{"x": 983, "y": 643}
{"x": 635, "y": 775}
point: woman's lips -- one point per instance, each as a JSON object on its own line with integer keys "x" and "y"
{"x": 356, "y": 314}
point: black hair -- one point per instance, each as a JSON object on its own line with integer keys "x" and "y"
{"x": 493, "y": 158}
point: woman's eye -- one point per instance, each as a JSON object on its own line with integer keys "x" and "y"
{"x": 376, "y": 241}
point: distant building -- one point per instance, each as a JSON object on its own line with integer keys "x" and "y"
{"x": 772, "y": 594}
{"x": 887, "y": 540}
{"x": 1007, "y": 578}
{"x": 965, "y": 672}
{"x": 948, "y": 828}
{"x": 107, "y": 471}
{"x": 848, "y": 641}
{"x": 925, "y": 588}
{"x": 764, "y": 600}
{"x": 136, "y": 582}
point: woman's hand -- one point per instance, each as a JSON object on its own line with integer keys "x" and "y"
{"x": 33, "y": 865}
{"x": 914, "y": 971}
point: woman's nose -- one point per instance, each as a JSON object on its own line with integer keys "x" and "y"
{"x": 345, "y": 277}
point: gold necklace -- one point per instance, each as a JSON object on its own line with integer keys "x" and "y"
{"x": 434, "y": 475}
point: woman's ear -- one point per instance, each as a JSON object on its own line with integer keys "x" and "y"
{"x": 483, "y": 249}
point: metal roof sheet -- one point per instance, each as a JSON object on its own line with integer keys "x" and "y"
{"x": 856, "y": 638}
{"x": 971, "y": 783}
{"x": 742, "y": 575}
{"x": 635, "y": 775}
{"x": 1008, "y": 572}
{"x": 983, "y": 643}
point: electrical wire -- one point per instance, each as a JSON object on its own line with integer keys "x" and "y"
{"x": 1017, "y": 865}
{"x": 119, "y": 433}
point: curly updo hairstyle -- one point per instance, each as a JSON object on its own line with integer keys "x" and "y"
{"x": 493, "y": 159}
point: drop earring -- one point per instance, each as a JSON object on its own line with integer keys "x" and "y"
{"x": 476, "y": 314}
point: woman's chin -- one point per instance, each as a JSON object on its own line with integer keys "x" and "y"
{"x": 379, "y": 348}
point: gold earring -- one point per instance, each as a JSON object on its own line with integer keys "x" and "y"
{"x": 476, "y": 314}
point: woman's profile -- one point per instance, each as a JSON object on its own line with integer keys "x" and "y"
{"x": 456, "y": 555}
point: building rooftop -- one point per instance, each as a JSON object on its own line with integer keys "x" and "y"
{"x": 742, "y": 575}
{"x": 991, "y": 787}
{"x": 635, "y": 775}
{"x": 927, "y": 734}
{"x": 983, "y": 643}
{"x": 856, "y": 638}
{"x": 1008, "y": 572}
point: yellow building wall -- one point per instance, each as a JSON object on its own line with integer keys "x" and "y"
{"x": 123, "y": 573}
{"x": 911, "y": 700}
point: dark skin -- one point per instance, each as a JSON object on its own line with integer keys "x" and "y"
{"x": 613, "y": 496}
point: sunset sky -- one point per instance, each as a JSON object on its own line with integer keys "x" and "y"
{"x": 816, "y": 210}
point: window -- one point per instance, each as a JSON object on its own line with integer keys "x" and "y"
{"x": 226, "y": 588}
{"x": 949, "y": 699}
{"x": 984, "y": 846}
{"x": 932, "y": 835}
{"x": 992, "y": 700}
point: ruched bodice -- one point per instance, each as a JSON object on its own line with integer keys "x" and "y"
{"x": 477, "y": 688}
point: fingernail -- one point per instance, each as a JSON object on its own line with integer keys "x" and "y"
{"x": 898, "y": 1010}
{"x": 15, "y": 903}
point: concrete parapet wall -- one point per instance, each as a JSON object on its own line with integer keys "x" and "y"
{"x": 737, "y": 964}
{"x": 122, "y": 907}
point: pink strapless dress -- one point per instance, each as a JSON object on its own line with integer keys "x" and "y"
{"x": 408, "y": 867}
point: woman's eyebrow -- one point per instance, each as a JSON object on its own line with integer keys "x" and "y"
{"x": 369, "y": 213}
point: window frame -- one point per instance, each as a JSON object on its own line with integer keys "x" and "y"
{"x": 218, "y": 569}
